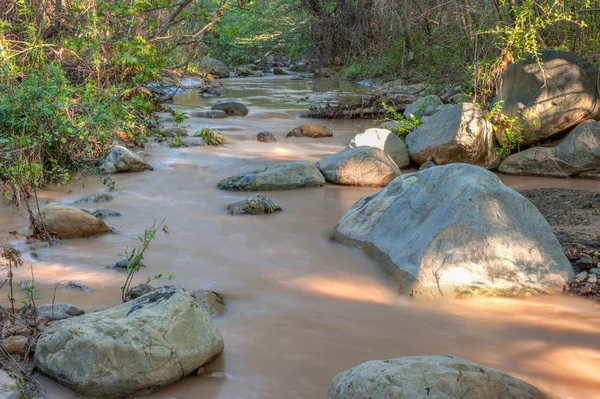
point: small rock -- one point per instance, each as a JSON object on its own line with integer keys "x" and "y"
{"x": 102, "y": 213}
{"x": 77, "y": 286}
{"x": 428, "y": 164}
{"x": 120, "y": 265}
{"x": 585, "y": 290}
{"x": 595, "y": 270}
{"x": 217, "y": 374}
{"x": 581, "y": 276}
{"x": 592, "y": 280}
{"x": 572, "y": 254}
{"x": 216, "y": 114}
{"x": 15, "y": 344}
{"x": 17, "y": 328}
{"x": 200, "y": 371}
{"x": 174, "y": 131}
{"x": 310, "y": 130}
{"x": 119, "y": 159}
{"x": 139, "y": 290}
{"x": 193, "y": 142}
{"x": 257, "y": 204}
{"x": 95, "y": 199}
{"x": 585, "y": 263}
{"x": 58, "y": 311}
{"x": 266, "y": 137}
{"x": 231, "y": 108}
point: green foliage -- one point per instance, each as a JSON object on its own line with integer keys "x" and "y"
{"x": 176, "y": 142}
{"x": 50, "y": 127}
{"x": 211, "y": 137}
{"x": 135, "y": 257}
{"x": 509, "y": 128}
{"x": 406, "y": 125}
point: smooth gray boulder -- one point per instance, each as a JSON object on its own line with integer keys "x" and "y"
{"x": 257, "y": 204}
{"x": 9, "y": 388}
{"x": 310, "y": 130}
{"x": 211, "y": 66}
{"x": 120, "y": 159}
{"x": 67, "y": 222}
{"x": 429, "y": 377}
{"x": 360, "y": 166}
{"x": 286, "y": 176}
{"x": 424, "y": 106}
{"x": 134, "y": 348}
{"x": 578, "y": 155}
{"x": 209, "y": 113}
{"x": 457, "y": 231}
{"x": 458, "y": 134}
{"x": 550, "y": 98}
{"x": 231, "y": 108}
{"x": 385, "y": 140}
{"x": 58, "y": 311}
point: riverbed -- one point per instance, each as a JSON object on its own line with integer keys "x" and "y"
{"x": 300, "y": 308}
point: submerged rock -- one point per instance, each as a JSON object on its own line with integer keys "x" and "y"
{"x": 95, "y": 199}
{"x": 134, "y": 348}
{"x": 67, "y": 222}
{"x": 360, "y": 166}
{"x": 578, "y": 155}
{"x": 211, "y": 66}
{"x": 286, "y": 176}
{"x": 213, "y": 301}
{"x": 231, "y": 108}
{"x": 257, "y": 204}
{"x": 102, "y": 213}
{"x": 385, "y": 140}
{"x": 458, "y": 134}
{"x": 549, "y": 98}
{"x": 266, "y": 137}
{"x": 424, "y": 106}
{"x": 246, "y": 71}
{"x": 193, "y": 142}
{"x": 425, "y": 377}
{"x": 310, "y": 130}
{"x": 209, "y": 113}
{"x": 120, "y": 159}
{"x": 58, "y": 311}
{"x": 457, "y": 231}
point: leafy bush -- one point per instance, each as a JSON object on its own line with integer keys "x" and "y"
{"x": 49, "y": 127}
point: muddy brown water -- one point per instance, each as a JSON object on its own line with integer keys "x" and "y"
{"x": 300, "y": 308}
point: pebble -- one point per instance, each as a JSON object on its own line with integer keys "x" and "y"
{"x": 581, "y": 277}
{"x": 200, "y": 371}
{"x": 585, "y": 263}
{"x": 585, "y": 290}
{"x": 595, "y": 270}
{"x": 15, "y": 344}
{"x": 592, "y": 280}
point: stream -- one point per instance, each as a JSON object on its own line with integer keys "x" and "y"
{"x": 300, "y": 308}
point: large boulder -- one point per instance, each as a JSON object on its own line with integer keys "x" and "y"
{"x": 457, "y": 231}
{"x": 67, "y": 222}
{"x": 9, "y": 388}
{"x": 310, "y": 130}
{"x": 424, "y": 106}
{"x": 429, "y": 377}
{"x": 360, "y": 166}
{"x": 134, "y": 348}
{"x": 231, "y": 108}
{"x": 210, "y": 66}
{"x": 286, "y": 176}
{"x": 578, "y": 155}
{"x": 549, "y": 94}
{"x": 385, "y": 140}
{"x": 457, "y": 134}
{"x": 120, "y": 159}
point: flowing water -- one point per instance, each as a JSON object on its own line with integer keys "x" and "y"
{"x": 300, "y": 308}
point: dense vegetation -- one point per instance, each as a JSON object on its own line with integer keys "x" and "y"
{"x": 72, "y": 73}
